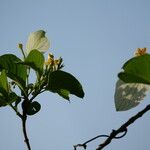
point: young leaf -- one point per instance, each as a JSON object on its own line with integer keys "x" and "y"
{"x": 15, "y": 71}
{"x": 33, "y": 108}
{"x": 35, "y": 60}
{"x": 136, "y": 70}
{"x": 129, "y": 95}
{"x": 64, "y": 84}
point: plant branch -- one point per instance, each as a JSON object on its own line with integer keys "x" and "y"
{"x": 41, "y": 90}
{"x": 84, "y": 145}
{"x": 24, "y": 119}
{"x": 25, "y": 133}
{"x": 17, "y": 112}
{"x": 123, "y": 127}
{"x": 114, "y": 133}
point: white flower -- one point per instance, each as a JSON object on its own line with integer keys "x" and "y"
{"x": 37, "y": 40}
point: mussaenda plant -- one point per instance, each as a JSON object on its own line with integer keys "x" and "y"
{"x": 15, "y": 74}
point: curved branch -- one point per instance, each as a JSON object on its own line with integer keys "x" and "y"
{"x": 84, "y": 145}
{"x": 114, "y": 133}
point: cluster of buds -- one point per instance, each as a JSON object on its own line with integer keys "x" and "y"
{"x": 140, "y": 51}
{"x": 52, "y": 63}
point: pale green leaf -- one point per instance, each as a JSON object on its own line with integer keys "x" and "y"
{"x": 129, "y": 95}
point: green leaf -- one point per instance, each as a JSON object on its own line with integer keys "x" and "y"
{"x": 136, "y": 70}
{"x": 15, "y": 71}
{"x": 33, "y": 108}
{"x": 64, "y": 93}
{"x": 12, "y": 97}
{"x": 6, "y": 97}
{"x": 2, "y": 101}
{"x": 9, "y": 99}
{"x": 3, "y": 83}
{"x": 129, "y": 95}
{"x": 64, "y": 84}
{"x": 35, "y": 60}
{"x": 18, "y": 100}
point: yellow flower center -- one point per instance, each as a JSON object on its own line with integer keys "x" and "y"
{"x": 140, "y": 51}
{"x": 53, "y": 62}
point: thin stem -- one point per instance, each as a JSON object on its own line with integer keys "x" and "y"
{"x": 25, "y": 132}
{"x": 123, "y": 128}
{"x": 24, "y": 119}
{"x": 21, "y": 48}
{"x": 15, "y": 109}
{"x": 113, "y": 135}
{"x": 84, "y": 145}
{"x": 41, "y": 90}
{"x": 28, "y": 72}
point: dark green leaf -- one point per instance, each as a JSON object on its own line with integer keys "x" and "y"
{"x": 33, "y": 108}
{"x": 2, "y": 101}
{"x": 9, "y": 99}
{"x": 18, "y": 100}
{"x": 35, "y": 60}
{"x": 16, "y": 72}
{"x": 64, "y": 84}
{"x": 12, "y": 97}
{"x": 136, "y": 70}
{"x": 131, "y": 78}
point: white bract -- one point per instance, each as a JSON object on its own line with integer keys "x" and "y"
{"x": 129, "y": 95}
{"x": 37, "y": 40}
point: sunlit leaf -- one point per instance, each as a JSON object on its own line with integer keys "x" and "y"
{"x": 5, "y": 95}
{"x": 64, "y": 84}
{"x": 129, "y": 95}
{"x": 64, "y": 93}
{"x": 15, "y": 71}
{"x": 35, "y": 60}
{"x": 3, "y": 83}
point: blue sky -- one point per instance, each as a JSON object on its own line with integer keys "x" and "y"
{"x": 95, "y": 38}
